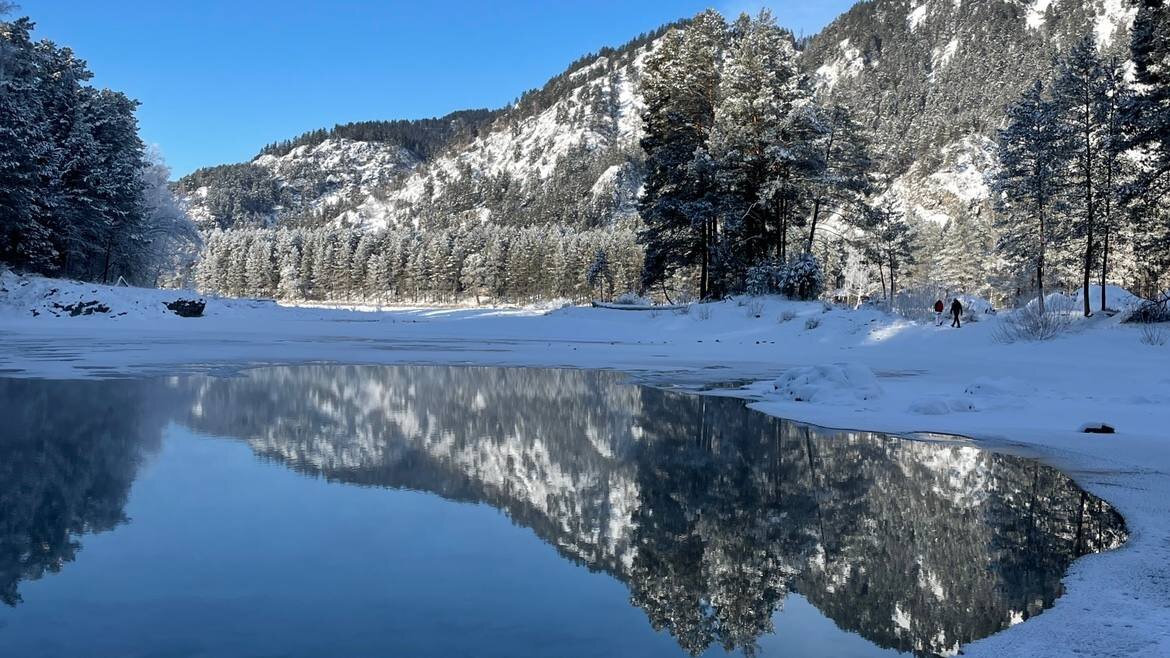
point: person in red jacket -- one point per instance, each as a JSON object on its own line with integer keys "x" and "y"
{"x": 938, "y": 311}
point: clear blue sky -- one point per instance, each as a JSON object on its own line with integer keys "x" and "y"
{"x": 218, "y": 79}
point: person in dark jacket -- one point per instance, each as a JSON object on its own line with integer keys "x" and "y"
{"x": 956, "y": 312}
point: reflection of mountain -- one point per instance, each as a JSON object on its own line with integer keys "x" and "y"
{"x": 708, "y": 511}
{"x": 69, "y": 452}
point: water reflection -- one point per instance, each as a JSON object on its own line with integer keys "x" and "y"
{"x": 69, "y": 452}
{"x": 710, "y": 513}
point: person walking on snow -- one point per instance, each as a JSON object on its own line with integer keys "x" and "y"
{"x": 957, "y": 312}
{"x": 938, "y": 311}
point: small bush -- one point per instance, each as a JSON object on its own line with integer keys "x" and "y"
{"x": 786, "y": 316}
{"x": 801, "y": 279}
{"x": 917, "y": 304}
{"x": 1150, "y": 311}
{"x": 811, "y": 323}
{"x": 632, "y": 299}
{"x": 1029, "y": 324}
{"x": 755, "y": 308}
{"x": 1153, "y": 335}
{"x": 703, "y": 312}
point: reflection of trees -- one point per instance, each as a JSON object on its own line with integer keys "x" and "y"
{"x": 710, "y": 512}
{"x": 916, "y": 546}
{"x": 68, "y": 454}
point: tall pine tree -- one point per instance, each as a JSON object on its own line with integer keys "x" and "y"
{"x": 1028, "y": 182}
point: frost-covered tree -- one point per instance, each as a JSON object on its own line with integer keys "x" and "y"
{"x": 171, "y": 239}
{"x": 1148, "y": 130}
{"x": 841, "y": 176}
{"x": 680, "y": 86}
{"x": 1081, "y": 97}
{"x": 71, "y": 193}
{"x": 1028, "y": 182}
{"x": 888, "y": 242}
{"x": 760, "y": 140}
{"x": 599, "y": 276}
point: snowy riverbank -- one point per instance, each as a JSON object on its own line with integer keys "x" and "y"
{"x": 839, "y": 368}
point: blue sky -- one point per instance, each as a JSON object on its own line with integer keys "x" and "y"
{"x": 218, "y": 79}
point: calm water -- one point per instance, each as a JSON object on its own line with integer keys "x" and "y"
{"x": 433, "y": 511}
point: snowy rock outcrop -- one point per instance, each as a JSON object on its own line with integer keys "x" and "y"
{"x": 828, "y": 384}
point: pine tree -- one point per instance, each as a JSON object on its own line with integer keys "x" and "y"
{"x": 1081, "y": 96}
{"x": 1147, "y": 124}
{"x": 756, "y": 139}
{"x": 1028, "y": 181}
{"x": 599, "y": 275}
{"x": 841, "y": 175}
{"x": 680, "y": 84}
{"x": 888, "y": 243}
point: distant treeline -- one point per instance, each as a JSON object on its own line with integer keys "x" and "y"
{"x": 500, "y": 263}
{"x": 423, "y": 137}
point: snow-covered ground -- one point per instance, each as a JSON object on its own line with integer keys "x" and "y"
{"x": 834, "y": 367}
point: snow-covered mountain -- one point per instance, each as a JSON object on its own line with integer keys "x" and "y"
{"x": 930, "y": 78}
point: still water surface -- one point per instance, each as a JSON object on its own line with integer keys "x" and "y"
{"x": 437, "y": 511}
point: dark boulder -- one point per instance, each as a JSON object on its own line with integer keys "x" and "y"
{"x": 1098, "y": 428}
{"x": 187, "y": 308}
{"x": 82, "y": 308}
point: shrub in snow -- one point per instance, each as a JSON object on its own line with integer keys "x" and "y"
{"x": 549, "y": 305}
{"x": 1029, "y": 324}
{"x": 787, "y": 316}
{"x": 839, "y": 382}
{"x": 703, "y": 312}
{"x": 800, "y": 279}
{"x": 755, "y": 308}
{"x": 803, "y": 278}
{"x": 812, "y": 323}
{"x": 1153, "y": 335}
{"x": 764, "y": 278}
{"x": 632, "y": 299}
{"x": 1150, "y": 311}
{"x": 940, "y": 406}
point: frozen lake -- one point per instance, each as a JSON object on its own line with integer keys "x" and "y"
{"x": 446, "y": 511}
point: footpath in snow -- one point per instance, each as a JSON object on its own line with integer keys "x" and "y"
{"x": 859, "y": 369}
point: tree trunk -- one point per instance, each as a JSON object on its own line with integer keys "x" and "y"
{"x": 1090, "y": 209}
{"x": 1088, "y": 271}
{"x": 1040, "y": 253}
{"x": 1104, "y": 265}
{"x": 812, "y": 231}
{"x": 704, "y": 261}
{"x": 106, "y": 263}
